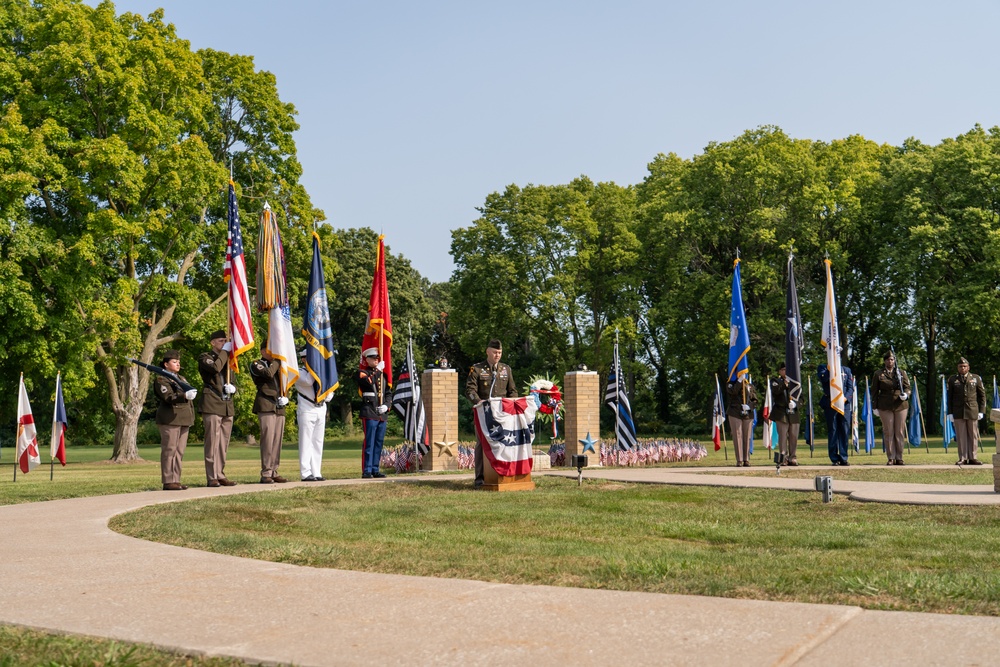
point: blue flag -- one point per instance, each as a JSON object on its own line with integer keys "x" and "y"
{"x": 739, "y": 337}
{"x": 996, "y": 396}
{"x": 914, "y": 422}
{"x": 869, "y": 419}
{"x": 321, "y": 361}
{"x": 947, "y": 428}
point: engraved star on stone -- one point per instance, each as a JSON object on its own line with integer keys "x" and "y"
{"x": 444, "y": 447}
{"x": 588, "y": 444}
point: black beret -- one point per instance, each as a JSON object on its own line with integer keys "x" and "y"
{"x": 217, "y": 334}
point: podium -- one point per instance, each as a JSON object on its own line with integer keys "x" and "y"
{"x": 494, "y": 482}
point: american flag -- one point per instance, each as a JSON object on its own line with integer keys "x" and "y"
{"x": 235, "y": 273}
{"x": 406, "y": 402}
{"x": 616, "y": 398}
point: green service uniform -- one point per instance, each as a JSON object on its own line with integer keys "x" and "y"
{"x": 966, "y": 402}
{"x": 174, "y": 418}
{"x": 485, "y": 382}
{"x": 217, "y": 413}
{"x": 266, "y": 374}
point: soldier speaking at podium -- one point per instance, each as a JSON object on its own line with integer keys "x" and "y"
{"x": 489, "y": 379}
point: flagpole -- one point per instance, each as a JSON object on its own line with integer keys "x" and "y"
{"x": 923, "y": 424}
{"x": 812, "y": 430}
{"x": 17, "y": 424}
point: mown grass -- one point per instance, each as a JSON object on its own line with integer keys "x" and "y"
{"x": 741, "y": 543}
{"x": 22, "y": 647}
{"x": 908, "y": 475}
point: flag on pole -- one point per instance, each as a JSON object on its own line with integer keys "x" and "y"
{"x": 235, "y": 274}
{"x": 768, "y": 441}
{"x": 914, "y": 421}
{"x": 718, "y": 416}
{"x": 947, "y": 427}
{"x": 27, "y": 442}
{"x": 378, "y": 329}
{"x": 321, "y": 360}
{"x": 831, "y": 341}
{"x": 810, "y": 421}
{"x": 617, "y": 399}
{"x": 854, "y": 422}
{"x": 996, "y": 396}
{"x": 869, "y": 418}
{"x": 59, "y": 424}
{"x": 739, "y": 337}
{"x": 408, "y": 405}
{"x": 272, "y": 298}
{"x": 794, "y": 338}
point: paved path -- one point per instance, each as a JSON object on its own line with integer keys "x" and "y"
{"x": 64, "y": 570}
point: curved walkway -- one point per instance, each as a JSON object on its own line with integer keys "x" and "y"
{"x": 64, "y": 570}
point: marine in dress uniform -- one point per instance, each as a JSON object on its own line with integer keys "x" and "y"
{"x": 741, "y": 398}
{"x": 312, "y": 427}
{"x": 890, "y": 389}
{"x": 174, "y": 418}
{"x": 838, "y": 426}
{"x": 216, "y": 407}
{"x": 375, "y": 398}
{"x": 966, "y": 406}
{"x": 269, "y": 406}
{"x": 785, "y": 415}
{"x": 489, "y": 379}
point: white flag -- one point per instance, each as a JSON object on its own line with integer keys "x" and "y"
{"x": 27, "y": 443}
{"x": 831, "y": 341}
{"x": 281, "y": 344}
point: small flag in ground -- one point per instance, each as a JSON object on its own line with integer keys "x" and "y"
{"x": 947, "y": 427}
{"x": 869, "y": 419}
{"x": 59, "y": 424}
{"x": 27, "y": 443}
{"x": 406, "y": 402}
{"x": 914, "y": 422}
{"x": 616, "y": 399}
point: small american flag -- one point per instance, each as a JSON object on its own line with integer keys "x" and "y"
{"x": 235, "y": 273}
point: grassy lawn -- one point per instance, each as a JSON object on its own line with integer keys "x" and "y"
{"x": 906, "y": 475}
{"x": 740, "y": 543}
{"x": 21, "y": 647}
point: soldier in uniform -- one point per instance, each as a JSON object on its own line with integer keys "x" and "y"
{"x": 489, "y": 379}
{"x": 312, "y": 426}
{"x": 890, "y": 389}
{"x": 741, "y": 398}
{"x": 784, "y": 413}
{"x": 838, "y": 426}
{"x": 216, "y": 407}
{"x": 174, "y": 417}
{"x": 269, "y": 406}
{"x": 966, "y": 406}
{"x": 375, "y": 398}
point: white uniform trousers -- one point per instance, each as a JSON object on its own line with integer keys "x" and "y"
{"x": 312, "y": 425}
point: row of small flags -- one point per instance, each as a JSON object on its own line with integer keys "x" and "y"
{"x": 26, "y": 455}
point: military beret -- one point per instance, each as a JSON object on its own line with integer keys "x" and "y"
{"x": 169, "y": 355}
{"x": 217, "y": 334}
{"x": 495, "y": 344}
{"x": 781, "y": 365}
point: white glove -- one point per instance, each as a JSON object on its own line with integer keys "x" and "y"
{"x": 229, "y": 389}
{"x": 382, "y": 409}
{"x": 380, "y": 365}
{"x": 327, "y": 399}
{"x": 190, "y": 394}
{"x": 791, "y": 405}
{"x": 903, "y": 396}
{"x": 980, "y": 415}
{"x": 875, "y": 412}
{"x": 228, "y": 346}
{"x": 951, "y": 419}
{"x": 282, "y": 401}
{"x": 746, "y": 408}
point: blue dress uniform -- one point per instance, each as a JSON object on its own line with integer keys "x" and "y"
{"x": 375, "y": 394}
{"x": 838, "y": 426}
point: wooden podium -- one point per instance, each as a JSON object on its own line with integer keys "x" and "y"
{"x": 494, "y": 482}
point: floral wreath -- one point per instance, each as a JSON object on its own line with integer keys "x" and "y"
{"x": 548, "y": 400}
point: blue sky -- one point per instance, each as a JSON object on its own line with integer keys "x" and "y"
{"x": 413, "y": 112}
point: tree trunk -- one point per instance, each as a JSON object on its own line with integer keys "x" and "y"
{"x": 132, "y": 385}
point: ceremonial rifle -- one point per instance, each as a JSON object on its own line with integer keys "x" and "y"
{"x": 165, "y": 373}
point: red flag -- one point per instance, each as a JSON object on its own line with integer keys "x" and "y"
{"x": 27, "y": 443}
{"x": 235, "y": 273}
{"x": 378, "y": 331}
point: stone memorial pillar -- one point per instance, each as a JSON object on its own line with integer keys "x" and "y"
{"x": 439, "y": 387}
{"x": 995, "y": 418}
{"x": 582, "y": 405}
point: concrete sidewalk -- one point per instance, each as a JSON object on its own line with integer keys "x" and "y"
{"x": 64, "y": 570}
